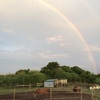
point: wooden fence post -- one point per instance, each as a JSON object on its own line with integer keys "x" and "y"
{"x": 50, "y": 94}
{"x": 81, "y": 95}
{"x": 29, "y": 86}
{"x": 92, "y": 94}
{"x": 14, "y": 95}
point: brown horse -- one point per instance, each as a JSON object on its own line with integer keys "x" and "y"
{"x": 39, "y": 93}
{"x": 77, "y": 89}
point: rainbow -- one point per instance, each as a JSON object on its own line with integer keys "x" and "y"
{"x": 77, "y": 31}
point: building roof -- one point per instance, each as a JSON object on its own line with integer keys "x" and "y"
{"x": 51, "y": 80}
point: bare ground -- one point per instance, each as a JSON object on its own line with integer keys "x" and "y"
{"x": 54, "y": 95}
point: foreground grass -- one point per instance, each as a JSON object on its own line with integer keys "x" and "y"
{"x": 16, "y": 90}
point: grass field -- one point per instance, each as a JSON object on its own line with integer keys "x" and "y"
{"x": 17, "y": 90}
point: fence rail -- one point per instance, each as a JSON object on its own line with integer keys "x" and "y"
{"x": 54, "y": 95}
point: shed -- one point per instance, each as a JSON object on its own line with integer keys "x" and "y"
{"x": 49, "y": 82}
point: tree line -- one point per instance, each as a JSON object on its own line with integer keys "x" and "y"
{"x": 51, "y": 71}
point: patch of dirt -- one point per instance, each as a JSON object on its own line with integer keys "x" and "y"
{"x": 54, "y": 95}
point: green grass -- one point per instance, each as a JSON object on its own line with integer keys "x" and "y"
{"x": 16, "y": 90}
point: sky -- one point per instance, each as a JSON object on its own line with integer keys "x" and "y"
{"x": 36, "y": 32}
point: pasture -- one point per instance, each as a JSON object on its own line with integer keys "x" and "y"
{"x": 56, "y": 94}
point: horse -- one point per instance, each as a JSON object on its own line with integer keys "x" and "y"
{"x": 77, "y": 89}
{"x": 95, "y": 86}
{"x": 41, "y": 92}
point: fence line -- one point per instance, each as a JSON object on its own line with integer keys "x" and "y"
{"x": 23, "y": 85}
{"x": 57, "y": 95}
{"x": 60, "y": 96}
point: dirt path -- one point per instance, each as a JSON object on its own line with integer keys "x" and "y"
{"x": 55, "y": 96}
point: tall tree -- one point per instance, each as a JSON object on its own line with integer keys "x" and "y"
{"x": 77, "y": 69}
{"x": 50, "y": 69}
{"x": 66, "y": 68}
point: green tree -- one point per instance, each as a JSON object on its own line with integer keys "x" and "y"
{"x": 38, "y": 78}
{"x": 88, "y": 77}
{"x": 60, "y": 74}
{"x": 74, "y": 77}
{"x": 23, "y": 71}
{"x": 50, "y": 69}
{"x": 91, "y": 78}
{"x": 66, "y": 68}
{"x": 77, "y": 69}
{"x": 53, "y": 65}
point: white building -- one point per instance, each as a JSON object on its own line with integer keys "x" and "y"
{"x": 49, "y": 82}
{"x": 55, "y": 83}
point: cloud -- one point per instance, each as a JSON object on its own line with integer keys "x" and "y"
{"x": 57, "y": 38}
{"x": 95, "y": 48}
{"x": 10, "y": 31}
{"x": 50, "y": 55}
{"x": 64, "y": 44}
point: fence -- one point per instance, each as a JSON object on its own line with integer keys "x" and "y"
{"x": 62, "y": 95}
{"x": 54, "y": 95}
{"x": 23, "y": 85}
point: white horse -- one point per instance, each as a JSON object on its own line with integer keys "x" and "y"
{"x": 93, "y": 87}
